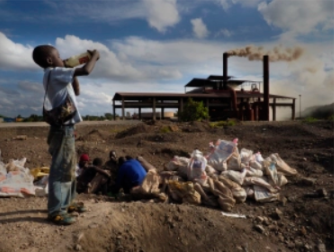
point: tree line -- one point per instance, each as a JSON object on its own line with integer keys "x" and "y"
{"x": 39, "y": 118}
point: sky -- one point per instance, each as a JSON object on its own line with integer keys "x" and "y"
{"x": 160, "y": 45}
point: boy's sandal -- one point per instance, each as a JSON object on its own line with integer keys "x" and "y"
{"x": 77, "y": 207}
{"x": 62, "y": 219}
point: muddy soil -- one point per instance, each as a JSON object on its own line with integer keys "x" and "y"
{"x": 299, "y": 223}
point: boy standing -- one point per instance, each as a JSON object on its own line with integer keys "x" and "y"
{"x": 60, "y": 82}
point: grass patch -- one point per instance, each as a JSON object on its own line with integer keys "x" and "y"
{"x": 165, "y": 129}
{"x": 220, "y": 124}
{"x": 310, "y": 119}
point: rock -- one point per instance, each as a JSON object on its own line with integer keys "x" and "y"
{"x": 280, "y": 237}
{"x": 93, "y": 225}
{"x": 299, "y": 244}
{"x": 259, "y": 219}
{"x": 266, "y": 221}
{"x": 321, "y": 247}
{"x": 272, "y": 227}
{"x": 291, "y": 245}
{"x": 79, "y": 237}
{"x": 292, "y": 198}
{"x": 20, "y": 137}
{"x": 77, "y": 247}
{"x": 308, "y": 247}
{"x": 322, "y": 192}
{"x": 173, "y": 128}
{"x": 277, "y": 215}
{"x": 308, "y": 181}
{"x": 259, "y": 228}
{"x": 283, "y": 201}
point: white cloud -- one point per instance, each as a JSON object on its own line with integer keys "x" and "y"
{"x": 139, "y": 65}
{"x": 224, "y": 32}
{"x": 199, "y": 28}
{"x": 226, "y": 4}
{"x": 297, "y": 16}
{"x": 15, "y": 55}
{"x": 161, "y": 13}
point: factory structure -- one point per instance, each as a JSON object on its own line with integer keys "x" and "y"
{"x": 218, "y": 93}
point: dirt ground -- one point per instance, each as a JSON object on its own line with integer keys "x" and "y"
{"x": 299, "y": 223}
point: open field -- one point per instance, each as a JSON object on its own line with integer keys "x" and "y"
{"x": 305, "y": 223}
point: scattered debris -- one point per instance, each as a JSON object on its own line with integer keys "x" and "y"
{"x": 242, "y": 216}
{"x": 20, "y": 137}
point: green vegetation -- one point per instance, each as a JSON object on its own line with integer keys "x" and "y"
{"x": 331, "y": 118}
{"x": 193, "y": 111}
{"x": 33, "y": 118}
{"x": 165, "y": 129}
{"x": 222, "y": 123}
{"x": 310, "y": 119}
{"x": 39, "y": 118}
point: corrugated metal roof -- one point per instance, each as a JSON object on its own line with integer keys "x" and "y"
{"x": 217, "y": 94}
{"x": 198, "y": 82}
{"x": 218, "y": 77}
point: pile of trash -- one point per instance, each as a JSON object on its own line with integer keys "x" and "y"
{"x": 225, "y": 176}
{"x": 15, "y": 179}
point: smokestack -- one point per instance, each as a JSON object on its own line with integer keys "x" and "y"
{"x": 225, "y": 58}
{"x": 266, "y": 88}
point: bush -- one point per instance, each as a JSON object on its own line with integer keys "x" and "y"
{"x": 223, "y": 123}
{"x": 165, "y": 129}
{"x": 193, "y": 111}
{"x": 310, "y": 119}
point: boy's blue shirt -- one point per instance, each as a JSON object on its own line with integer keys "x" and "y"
{"x": 132, "y": 171}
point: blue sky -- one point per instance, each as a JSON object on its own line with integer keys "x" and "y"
{"x": 160, "y": 45}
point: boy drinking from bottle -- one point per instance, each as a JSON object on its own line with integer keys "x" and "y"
{"x": 60, "y": 83}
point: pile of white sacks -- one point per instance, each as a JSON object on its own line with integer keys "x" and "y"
{"x": 226, "y": 176}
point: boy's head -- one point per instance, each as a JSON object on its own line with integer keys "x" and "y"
{"x": 84, "y": 160}
{"x": 113, "y": 156}
{"x": 121, "y": 161}
{"x": 47, "y": 56}
{"x": 98, "y": 162}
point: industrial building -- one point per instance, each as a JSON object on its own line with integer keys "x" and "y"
{"x": 218, "y": 93}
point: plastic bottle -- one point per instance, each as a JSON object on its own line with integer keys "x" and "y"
{"x": 77, "y": 60}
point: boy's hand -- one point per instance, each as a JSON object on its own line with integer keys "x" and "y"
{"x": 94, "y": 53}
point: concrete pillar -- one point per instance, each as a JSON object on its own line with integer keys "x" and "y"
{"x": 153, "y": 107}
{"x": 293, "y": 107}
{"x": 123, "y": 109}
{"x": 163, "y": 113}
{"x": 274, "y": 109}
{"x": 114, "y": 109}
{"x": 181, "y": 105}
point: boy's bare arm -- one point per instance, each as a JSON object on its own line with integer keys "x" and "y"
{"x": 89, "y": 66}
{"x": 76, "y": 86}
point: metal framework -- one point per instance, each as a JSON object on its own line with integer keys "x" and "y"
{"x": 217, "y": 93}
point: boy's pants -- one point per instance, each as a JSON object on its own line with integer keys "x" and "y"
{"x": 62, "y": 181}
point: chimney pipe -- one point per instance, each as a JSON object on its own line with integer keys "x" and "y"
{"x": 266, "y": 88}
{"x": 225, "y": 57}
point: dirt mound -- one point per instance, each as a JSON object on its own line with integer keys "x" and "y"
{"x": 138, "y": 129}
{"x": 196, "y": 126}
{"x": 95, "y": 135}
{"x": 134, "y": 226}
